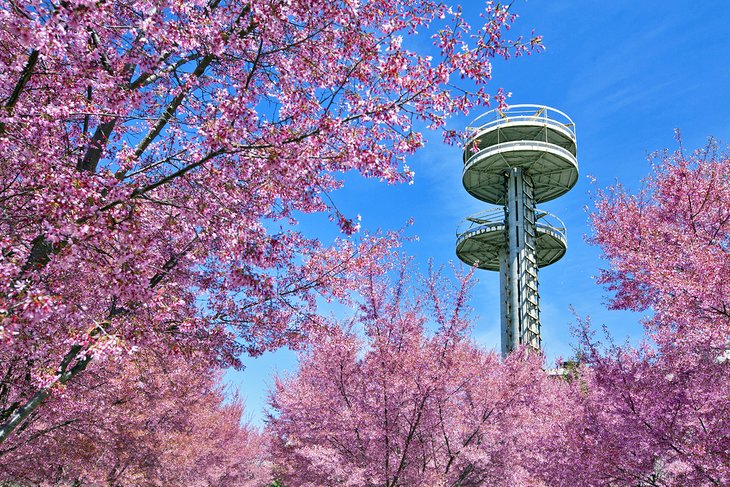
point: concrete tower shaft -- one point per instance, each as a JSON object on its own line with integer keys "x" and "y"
{"x": 518, "y": 270}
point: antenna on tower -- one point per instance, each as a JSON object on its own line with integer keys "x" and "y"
{"x": 516, "y": 158}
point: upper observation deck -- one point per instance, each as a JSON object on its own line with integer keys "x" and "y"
{"x": 539, "y": 139}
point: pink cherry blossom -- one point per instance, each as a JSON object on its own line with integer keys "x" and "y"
{"x": 659, "y": 413}
{"x": 383, "y": 402}
{"x": 155, "y": 155}
{"x": 149, "y": 420}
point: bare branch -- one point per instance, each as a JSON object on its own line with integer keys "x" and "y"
{"x": 20, "y": 85}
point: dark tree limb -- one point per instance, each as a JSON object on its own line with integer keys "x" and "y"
{"x": 20, "y": 85}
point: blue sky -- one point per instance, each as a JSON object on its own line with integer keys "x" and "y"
{"x": 628, "y": 73}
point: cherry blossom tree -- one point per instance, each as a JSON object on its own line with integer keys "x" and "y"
{"x": 155, "y": 154}
{"x": 659, "y": 413}
{"x": 650, "y": 418}
{"x": 669, "y": 248}
{"x": 157, "y": 421}
{"x": 382, "y": 402}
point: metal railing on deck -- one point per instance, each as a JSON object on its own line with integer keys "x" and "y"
{"x": 523, "y": 113}
{"x": 493, "y": 219}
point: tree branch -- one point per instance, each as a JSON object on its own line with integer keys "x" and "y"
{"x": 170, "y": 109}
{"x": 20, "y": 85}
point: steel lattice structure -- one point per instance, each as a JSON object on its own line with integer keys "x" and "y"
{"x": 517, "y": 158}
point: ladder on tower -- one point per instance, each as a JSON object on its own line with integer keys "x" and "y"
{"x": 530, "y": 306}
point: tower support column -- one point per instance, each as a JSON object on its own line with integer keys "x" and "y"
{"x": 504, "y": 307}
{"x": 518, "y": 268}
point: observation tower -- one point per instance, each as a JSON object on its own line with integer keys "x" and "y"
{"x": 517, "y": 158}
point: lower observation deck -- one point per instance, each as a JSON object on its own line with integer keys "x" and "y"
{"x": 481, "y": 238}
